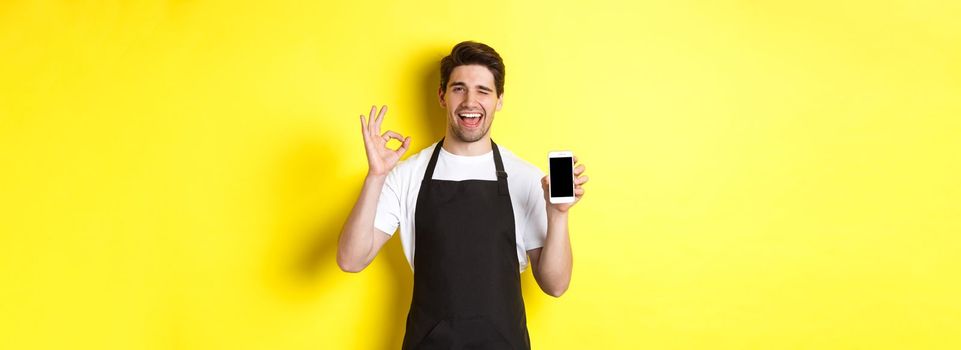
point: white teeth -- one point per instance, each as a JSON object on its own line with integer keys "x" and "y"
{"x": 470, "y": 115}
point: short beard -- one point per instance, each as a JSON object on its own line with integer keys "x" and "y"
{"x": 466, "y": 138}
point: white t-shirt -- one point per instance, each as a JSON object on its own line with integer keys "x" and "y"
{"x": 398, "y": 198}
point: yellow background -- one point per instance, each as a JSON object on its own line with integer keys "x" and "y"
{"x": 765, "y": 175}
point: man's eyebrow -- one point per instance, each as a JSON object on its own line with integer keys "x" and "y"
{"x": 479, "y": 87}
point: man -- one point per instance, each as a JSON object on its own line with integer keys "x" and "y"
{"x": 470, "y": 213}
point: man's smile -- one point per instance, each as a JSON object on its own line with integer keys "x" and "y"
{"x": 470, "y": 119}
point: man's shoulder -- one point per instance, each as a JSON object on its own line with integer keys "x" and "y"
{"x": 519, "y": 167}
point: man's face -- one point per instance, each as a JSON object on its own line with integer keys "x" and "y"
{"x": 470, "y": 101}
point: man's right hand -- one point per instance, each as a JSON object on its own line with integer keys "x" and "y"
{"x": 381, "y": 159}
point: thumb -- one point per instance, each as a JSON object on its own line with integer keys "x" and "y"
{"x": 404, "y": 146}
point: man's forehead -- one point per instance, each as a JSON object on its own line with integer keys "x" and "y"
{"x": 472, "y": 75}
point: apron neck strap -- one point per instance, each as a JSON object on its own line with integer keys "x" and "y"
{"x": 501, "y": 174}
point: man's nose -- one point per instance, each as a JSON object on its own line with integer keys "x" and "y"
{"x": 472, "y": 99}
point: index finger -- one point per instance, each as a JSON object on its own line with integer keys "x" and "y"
{"x": 579, "y": 170}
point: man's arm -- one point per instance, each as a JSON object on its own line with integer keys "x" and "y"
{"x": 552, "y": 264}
{"x": 359, "y": 241}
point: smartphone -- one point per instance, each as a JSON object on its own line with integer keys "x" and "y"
{"x": 562, "y": 176}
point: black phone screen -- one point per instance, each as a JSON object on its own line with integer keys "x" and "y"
{"x": 562, "y": 177}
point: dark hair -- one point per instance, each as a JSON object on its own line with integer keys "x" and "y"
{"x": 469, "y": 52}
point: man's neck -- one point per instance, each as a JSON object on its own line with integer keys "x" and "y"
{"x": 454, "y": 145}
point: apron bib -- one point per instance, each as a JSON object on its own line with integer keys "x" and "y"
{"x": 467, "y": 292}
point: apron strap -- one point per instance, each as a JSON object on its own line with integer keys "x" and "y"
{"x": 429, "y": 174}
{"x": 501, "y": 174}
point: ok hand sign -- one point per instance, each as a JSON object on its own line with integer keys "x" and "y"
{"x": 381, "y": 159}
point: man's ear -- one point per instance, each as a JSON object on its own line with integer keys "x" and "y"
{"x": 500, "y": 103}
{"x": 440, "y": 97}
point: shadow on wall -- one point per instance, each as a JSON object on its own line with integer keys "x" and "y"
{"x": 299, "y": 263}
{"x": 300, "y": 260}
{"x": 302, "y": 248}
{"x": 432, "y": 114}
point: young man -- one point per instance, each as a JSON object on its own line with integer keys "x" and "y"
{"x": 470, "y": 213}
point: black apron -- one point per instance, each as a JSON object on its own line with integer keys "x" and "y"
{"x": 467, "y": 291}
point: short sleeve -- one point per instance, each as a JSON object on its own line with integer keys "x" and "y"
{"x": 535, "y": 227}
{"x": 388, "y": 206}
